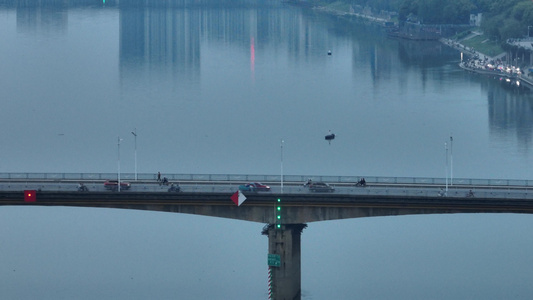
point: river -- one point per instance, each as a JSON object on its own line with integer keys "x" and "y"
{"x": 213, "y": 88}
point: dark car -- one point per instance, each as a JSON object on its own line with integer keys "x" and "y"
{"x": 113, "y": 185}
{"x": 320, "y": 187}
{"x": 254, "y": 187}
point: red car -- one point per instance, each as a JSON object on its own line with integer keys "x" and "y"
{"x": 254, "y": 187}
{"x": 113, "y": 185}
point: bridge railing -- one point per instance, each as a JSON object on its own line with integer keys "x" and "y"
{"x": 272, "y": 179}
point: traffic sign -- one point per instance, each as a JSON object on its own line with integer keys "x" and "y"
{"x": 274, "y": 260}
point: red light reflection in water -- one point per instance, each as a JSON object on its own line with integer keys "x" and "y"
{"x": 252, "y": 57}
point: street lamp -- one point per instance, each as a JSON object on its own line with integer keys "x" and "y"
{"x": 446, "y": 168}
{"x": 528, "y": 30}
{"x": 118, "y": 161}
{"x": 134, "y": 132}
{"x": 282, "y": 166}
{"x": 451, "y": 159}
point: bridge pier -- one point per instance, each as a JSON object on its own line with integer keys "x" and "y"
{"x": 286, "y": 277}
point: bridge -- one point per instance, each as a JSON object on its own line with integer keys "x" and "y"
{"x": 209, "y": 195}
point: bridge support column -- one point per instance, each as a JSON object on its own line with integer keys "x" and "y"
{"x": 285, "y": 243}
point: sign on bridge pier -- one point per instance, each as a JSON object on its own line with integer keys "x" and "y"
{"x": 274, "y": 260}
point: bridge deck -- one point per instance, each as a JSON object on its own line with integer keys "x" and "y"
{"x": 259, "y": 207}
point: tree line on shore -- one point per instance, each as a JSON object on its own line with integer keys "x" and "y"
{"x": 501, "y": 19}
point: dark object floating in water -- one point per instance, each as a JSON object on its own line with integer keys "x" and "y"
{"x": 329, "y": 52}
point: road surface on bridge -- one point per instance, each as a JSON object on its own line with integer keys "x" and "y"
{"x": 340, "y": 188}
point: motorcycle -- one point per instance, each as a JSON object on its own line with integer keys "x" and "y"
{"x": 164, "y": 181}
{"x": 361, "y": 182}
{"x": 174, "y": 188}
{"x": 82, "y": 188}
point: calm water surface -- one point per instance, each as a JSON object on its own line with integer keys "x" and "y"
{"x": 214, "y": 88}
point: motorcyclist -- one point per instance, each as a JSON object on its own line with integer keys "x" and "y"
{"x": 173, "y": 188}
{"x": 82, "y": 187}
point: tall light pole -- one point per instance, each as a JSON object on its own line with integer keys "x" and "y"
{"x": 446, "y": 168}
{"x": 134, "y": 132}
{"x": 451, "y": 159}
{"x": 118, "y": 161}
{"x": 282, "y": 166}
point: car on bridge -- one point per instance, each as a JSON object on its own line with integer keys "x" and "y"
{"x": 254, "y": 187}
{"x": 113, "y": 185}
{"x": 320, "y": 187}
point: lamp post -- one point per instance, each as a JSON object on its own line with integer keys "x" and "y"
{"x": 282, "y": 166}
{"x": 528, "y": 30}
{"x": 446, "y": 168}
{"x": 134, "y": 132}
{"x": 451, "y": 159}
{"x": 118, "y": 161}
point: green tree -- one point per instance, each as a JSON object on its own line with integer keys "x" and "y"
{"x": 458, "y": 11}
{"x": 491, "y": 27}
{"x": 523, "y": 12}
{"x": 510, "y": 29}
{"x": 507, "y": 18}
{"x": 407, "y": 8}
{"x": 438, "y": 11}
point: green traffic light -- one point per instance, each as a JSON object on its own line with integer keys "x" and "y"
{"x": 279, "y": 207}
{"x": 279, "y": 225}
{"x": 279, "y": 217}
{"x": 279, "y": 200}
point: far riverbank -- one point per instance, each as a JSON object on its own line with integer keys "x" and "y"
{"x": 472, "y": 60}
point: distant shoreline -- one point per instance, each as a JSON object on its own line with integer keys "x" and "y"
{"x": 457, "y": 45}
{"x": 446, "y": 41}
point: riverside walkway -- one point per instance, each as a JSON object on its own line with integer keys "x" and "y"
{"x": 511, "y": 78}
{"x": 483, "y": 64}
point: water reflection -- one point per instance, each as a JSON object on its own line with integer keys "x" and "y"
{"x": 168, "y": 39}
{"x": 49, "y": 16}
{"x": 160, "y": 41}
{"x": 510, "y": 115}
{"x": 61, "y": 104}
{"x": 167, "y": 45}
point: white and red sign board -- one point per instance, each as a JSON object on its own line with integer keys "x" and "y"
{"x": 238, "y": 198}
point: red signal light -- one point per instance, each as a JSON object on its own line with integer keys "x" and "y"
{"x": 30, "y": 196}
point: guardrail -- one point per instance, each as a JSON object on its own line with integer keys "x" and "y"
{"x": 272, "y": 179}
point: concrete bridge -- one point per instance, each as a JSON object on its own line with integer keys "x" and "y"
{"x": 296, "y": 209}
